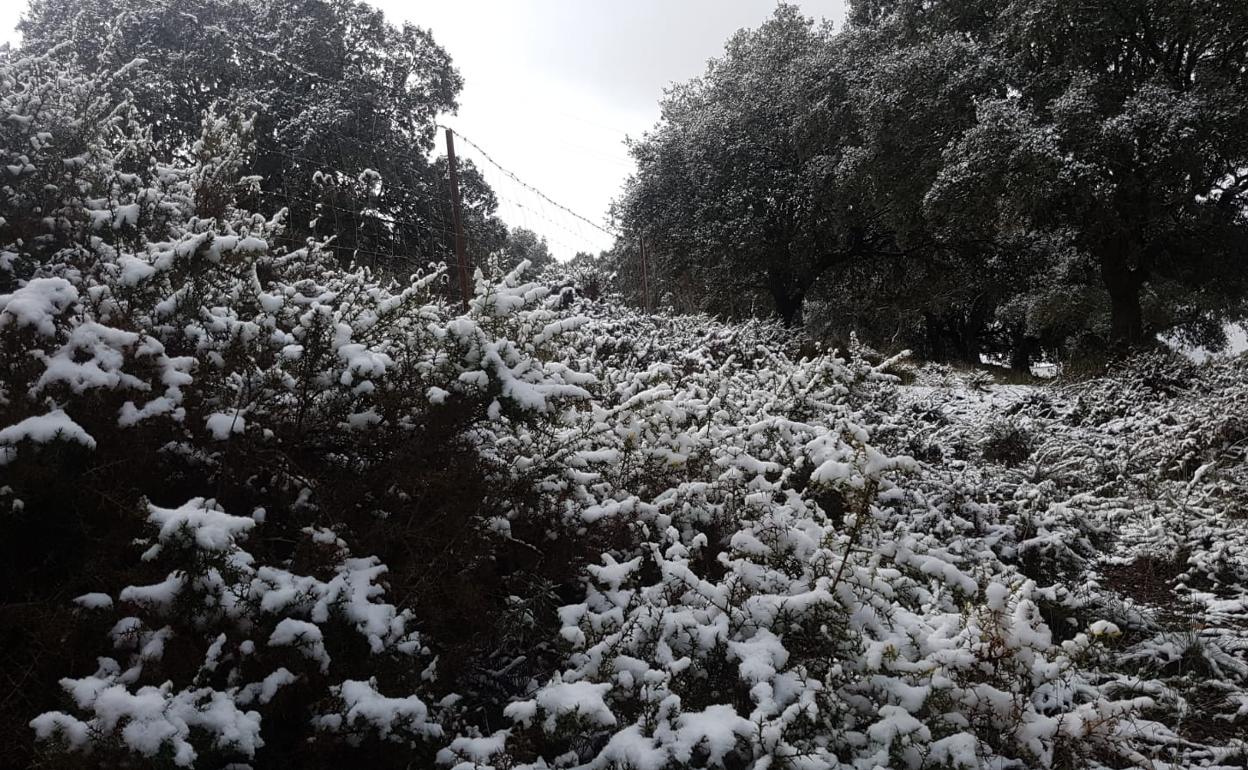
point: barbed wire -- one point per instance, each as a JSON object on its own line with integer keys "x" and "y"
{"x": 437, "y": 199}
{"x": 423, "y": 194}
{"x": 528, "y": 186}
{"x": 437, "y": 224}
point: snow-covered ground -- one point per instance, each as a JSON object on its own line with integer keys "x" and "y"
{"x": 1155, "y": 462}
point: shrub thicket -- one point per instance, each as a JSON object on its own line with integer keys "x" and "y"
{"x": 258, "y": 510}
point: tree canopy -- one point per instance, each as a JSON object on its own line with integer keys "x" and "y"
{"x": 344, "y": 109}
{"x": 962, "y": 177}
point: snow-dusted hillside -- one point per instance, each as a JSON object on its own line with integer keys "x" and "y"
{"x": 258, "y": 510}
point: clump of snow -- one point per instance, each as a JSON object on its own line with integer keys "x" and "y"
{"x": 389, "y": 718}
{"x": 304, "y": 636}
{"x": 42, "y": 429}
{"x": 203, "y": 521}
{"x": 38, "y": 305}
{"x": 580, "y": 700}
{"x": 221, "y": 425}
{"x": 94, "y": 601}
{"x": 152, "y": 720}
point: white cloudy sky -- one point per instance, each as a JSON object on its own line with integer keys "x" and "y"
{"x": 553, "y": 87}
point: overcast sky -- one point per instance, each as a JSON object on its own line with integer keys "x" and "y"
{"x": 553, "y": 87}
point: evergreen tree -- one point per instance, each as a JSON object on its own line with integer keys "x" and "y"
{"x": 727, "y": 193}
{"x": 345, "y": 108}
{"x": 984, "y": 178}
{"x": 1123, "y": 143}
{"x": 523, "y": 244}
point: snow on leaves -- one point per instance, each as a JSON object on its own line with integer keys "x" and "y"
{"x": 42, "y": 429}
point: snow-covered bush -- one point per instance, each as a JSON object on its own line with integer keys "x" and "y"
{"x": 164, "y": 352}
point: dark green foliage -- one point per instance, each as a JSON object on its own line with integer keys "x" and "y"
{"x": 524, "y": 245}
{"x": 345, "y": 110}
{"x": 962, "y": 178}
{"x": 727, "y": 194}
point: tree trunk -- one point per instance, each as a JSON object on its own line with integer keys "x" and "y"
{"x": 789, "y": 308}
{"x": 977, "y": 321}
{"x": 1126, "y": 318}
{"x": 1020, "y": 357}
{"x": 967, "y": 340}
{"x": 951, "y": 337}
{"x": 1123, "y": 273}
{"x": 788, "y": 300}
{"x": 934, "y": 336}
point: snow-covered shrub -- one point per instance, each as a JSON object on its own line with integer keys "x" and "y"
{"x": 1101, "y": 511}
{"x": 66, "y": 148}
{"x": 217, "y": 592}
{"x": 163, "y": 351}
{"x": 1007, "y": 443}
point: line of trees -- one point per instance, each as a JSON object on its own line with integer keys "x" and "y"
{"x": 961, "y": 177}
